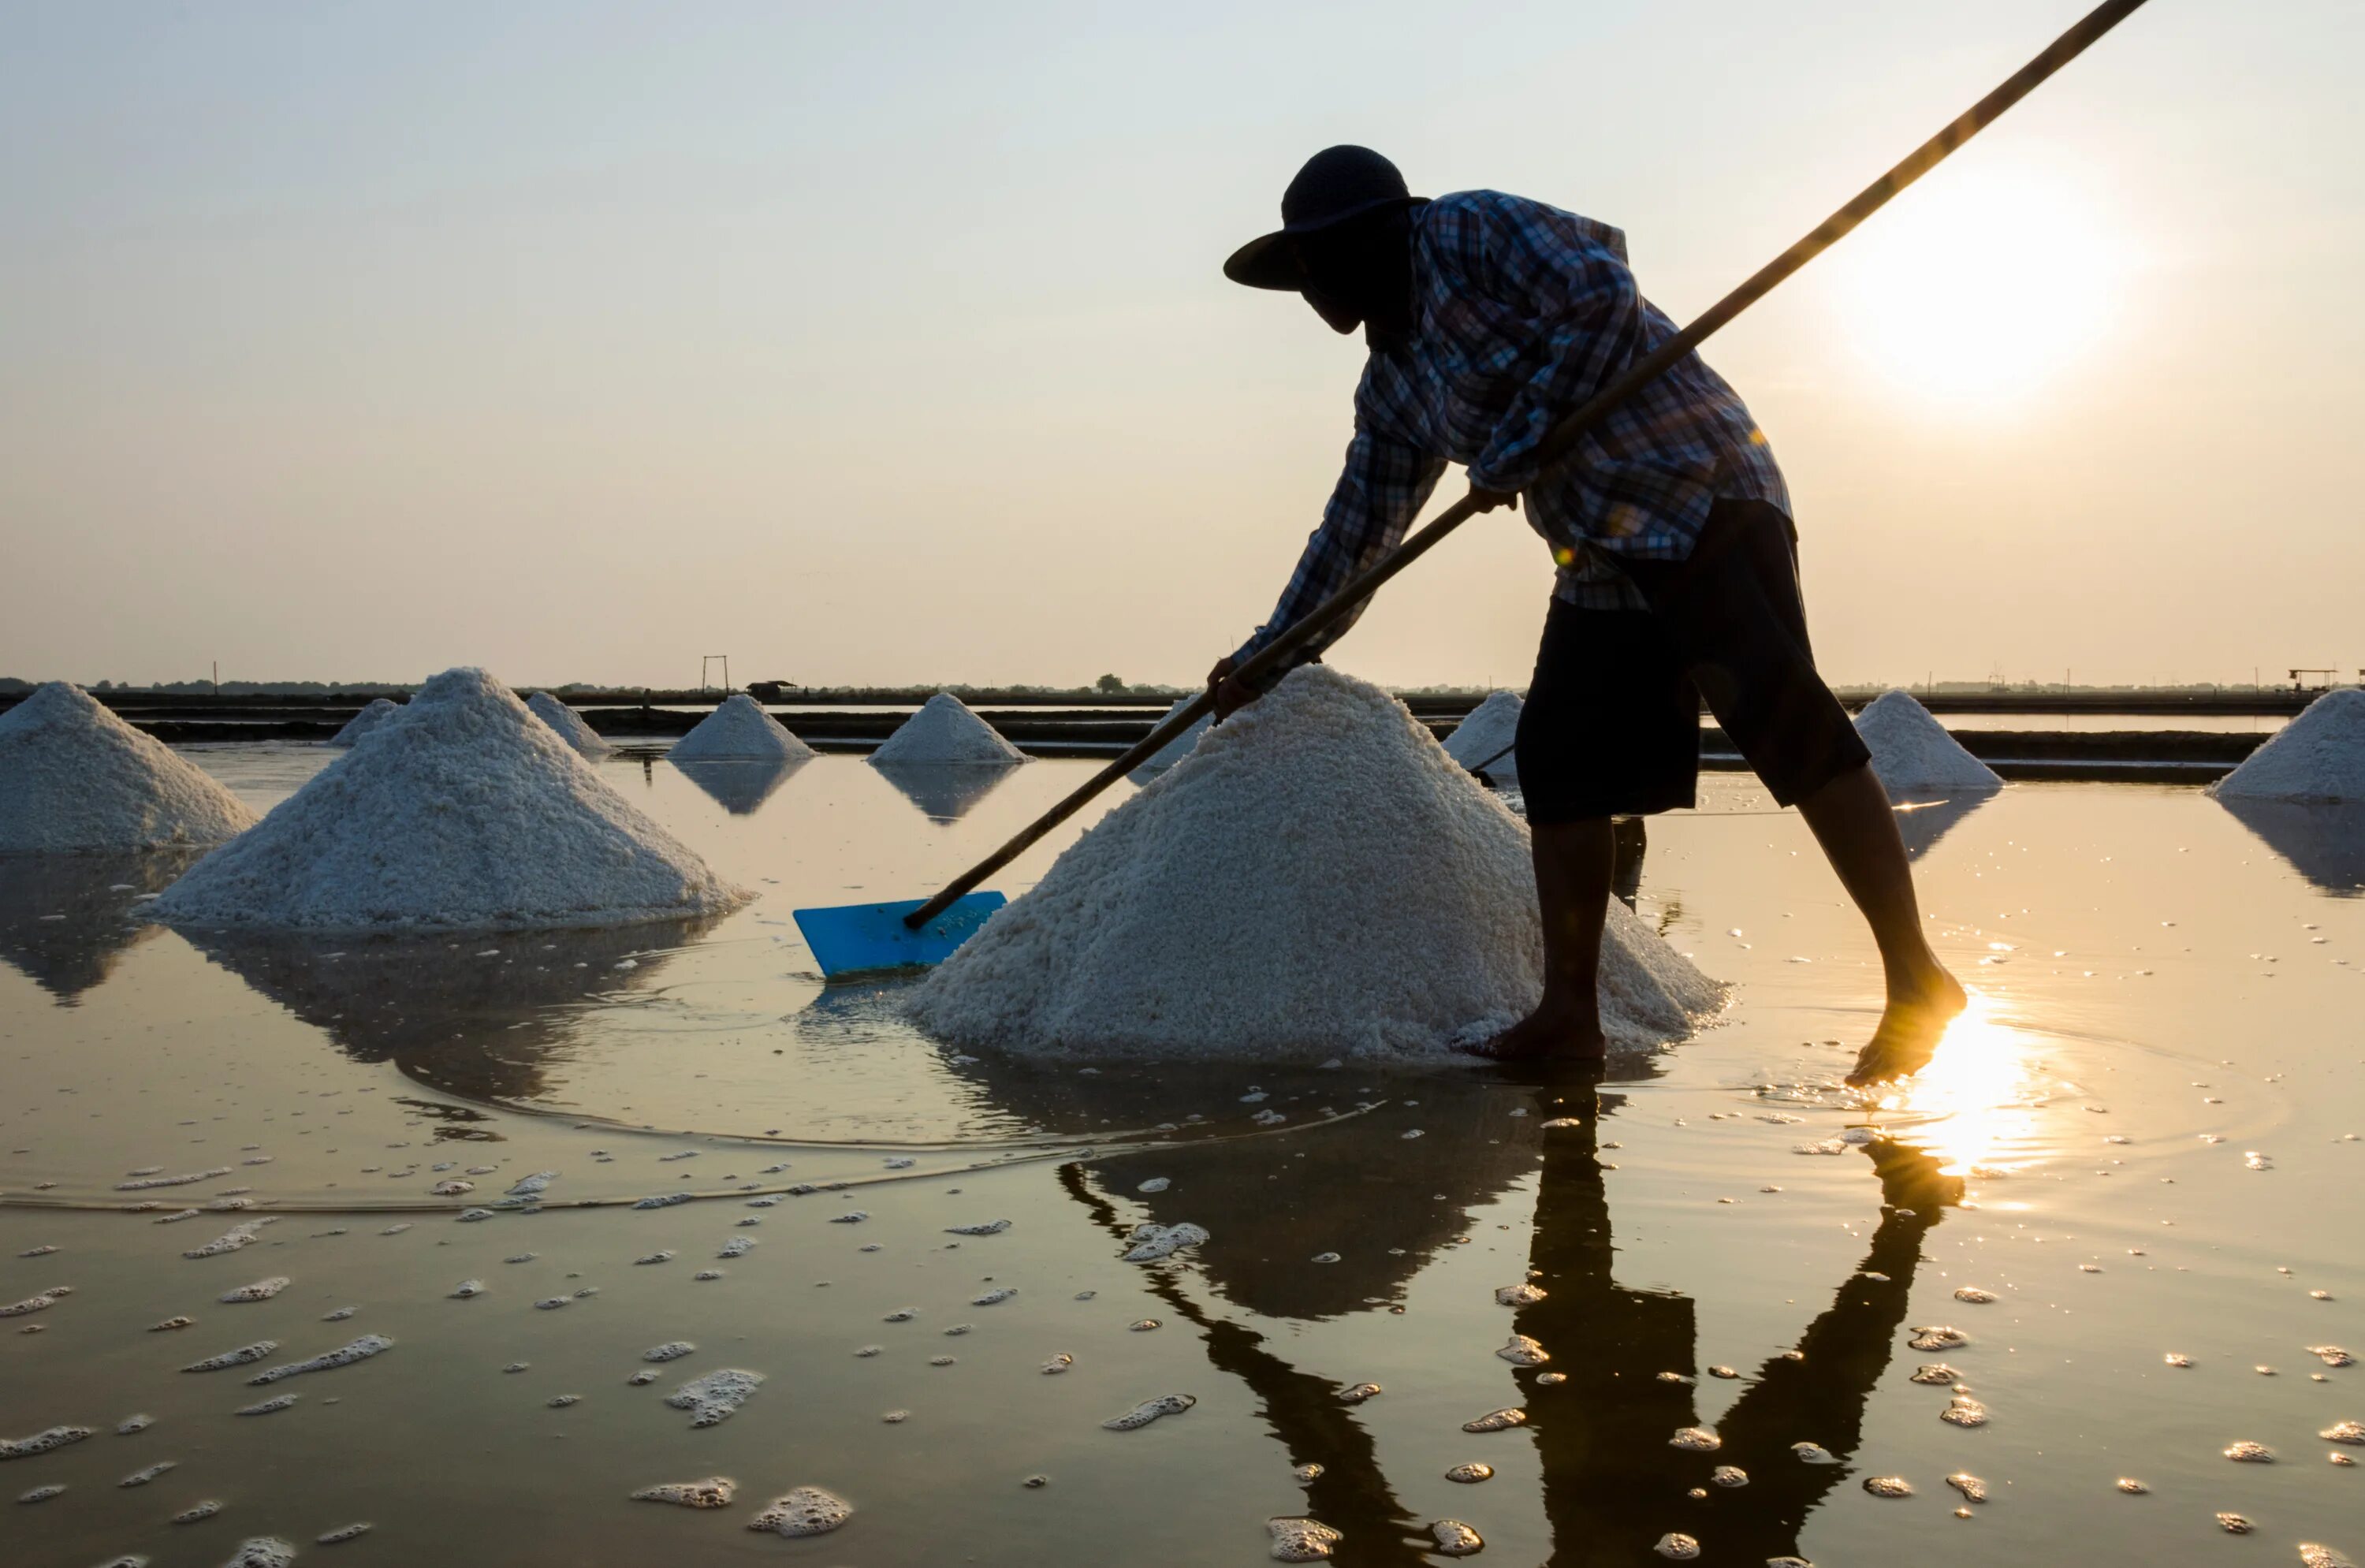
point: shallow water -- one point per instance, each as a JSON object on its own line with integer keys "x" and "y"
{"x": 2154, "y": 974}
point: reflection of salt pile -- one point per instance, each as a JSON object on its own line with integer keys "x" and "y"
{"x": 2320, "y": 756}
{"x": 378, "y": 711}
{"x": 944, "y": 731}
{"x": 467, "y": 814}
{"x": 1316, "y": 878}
{"x": 1488, "y": 732}
{"x": 568, "y": 724}
{"x": 1911, "y": 750}
{"x": 739, "y": 731}
{"x": 1178, "y": 749}
{"x": 74, "y": 777}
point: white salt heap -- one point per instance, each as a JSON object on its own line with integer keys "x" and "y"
{"x": 74, "y": 777}
{"x": 1175, "y": 750}
{"x": 1318, "y": 879}
{"x": 467, "y": 814}
{"x": 568, "y": 724}
{"x": 378, "y": 711}
{"x": 1911, "y": 750}
{"x": 944, "y": 731}
{"x": 2320, "y": 756}
{"x": 739, "y": 731}
{"x": 1488, "y": 732}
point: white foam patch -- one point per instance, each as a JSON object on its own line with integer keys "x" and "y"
{"x": 802, "y": 1511}
{"x": 262, "y": 1552}
{"x": 739, "y": 731}
{"x": 1911, "y": 750}
{"x": 714, "y": 1398}
{"x": 1149, "y": 1410}
{"x": 42, "y": 1441}
{"x": 945, "y": 732}
{"x": 74, "y": 777}
{"x": 269, "y": 1406}
{"x": 2320, "y": 756}
{"x": 1455, "y": 1539}
{"x": 261, "y": 1290}
{"x": 1318, "y": 879}
{"x": 359, "y": 1349}
{"x": 566, "y": 724}
{"x": 1151, "y": 1242}
{"x": 715, "y": 1491}
{"x": 378, "y": 710}
{"x": 1300, "y": 1541}
{"x": 466, "y": 814}
{"x": 1486, "y": 733}
{"x": 237, "y": 1358}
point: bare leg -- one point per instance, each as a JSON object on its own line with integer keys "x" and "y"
{"x": 1572, "y": 873}
{"x": 1853, "y": 821}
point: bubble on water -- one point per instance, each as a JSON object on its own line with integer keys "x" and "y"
{"x": 1306, "y": 1472}
{"x": 344, "y": 1533}
{"x": 1729, "y": 1475}
{"x": 1496, "y": 1421}
{"x": 671, "y": 1350}
{"x": 2234, "y": 1524}
{"x": 990, "y": 1227}
{"x": 187, "y": 1179}
{"x": 1549, "y": 1378}
{"x": 1821, "y": 1145}
{"x": 662, "y": 1201}
{"x": 169, "y": 1325}
{"x": 2344, "y": 1432}
{"x": 2313, "y": 1554}
{"x": 396, "y": 1230}
{"x": 561, "y": 1401}
{"x": 450, "y": 1189}
{"x": 32, "y": 1304}
{"x": 802, "y": 1511}
{"x": 663, "y": 1255}
{"x": 237, "y": 1358}
{"x": 851, "y": 1216}
{"x": 361, "y": 1350}
{"x": 1695, "y": 1440}
{"x": 865, "y": 1352}
{"x": 2319, "y": 1295}
{"x": 2332, "y": 1355}
{"x": 176, "y": 1217}
{"x": 1678, "y": 1547}
{"x": 1726, "y": 1372}
{"x": 940, "y": 1360}
{"x": 339, "y": 1314}
{"x": 1149, "y": 1410}
{"x": 1974, "y": 1294}
{"x": 1935, "y": 1372}
{"x": 532, "y": 1186}
{"x": 1058, "y": 1364}
{"x": 2132, "y": 1487}
{"x": 2342, "y": 1460}
{"x": 196, "y": 1512}
{"x": 1148, "y": 1243}
{"x": 261, "y": 1290}
{"x": 994, "y": 1297}
{"x": 141, "y": 1477}
{"x": 1521, "y": 1350}
{"x": 1964, "y": 1411}
{"x": 1455, "y": 1539}
{"x": 41, "y": 1493}
{"x": 466, "y": 1290}
{"x": 737, "y": 1247}
{"x": 1888, "y": 1486}
{"x": 2248, "y": 1452}
{"x": 470, "y": 1216}
{"x": 1300, "y": 1541}
{"x": 269, "y": 1407}
{"x": 237, "y": 1235}
{"x": 1938, "y": 1337}
{"x": 1154, "y": 1184}
{"x": 1521, "y": 1294}
{"x": 1970, "y": 1485}
{"x": 1472, "y": 1473}
{"x": 130, "y": 1424}
{"x": 714, "y": 1398}
{"x": 1814, "y": 1454}
{"x": 1684, "y": 1378}
{"x": 901, "y": 1315}
{"x": 262, "y": 1552}
{"x": 552, "y": 1304}
{"x": 2177, "y": 1359}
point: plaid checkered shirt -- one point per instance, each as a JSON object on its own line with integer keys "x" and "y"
{"x": 1523, "y": 313}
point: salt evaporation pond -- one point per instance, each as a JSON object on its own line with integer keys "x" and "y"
{"x": 2158, "y": 1086}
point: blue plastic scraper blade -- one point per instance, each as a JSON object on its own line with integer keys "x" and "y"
{"x": 856, "y": 938}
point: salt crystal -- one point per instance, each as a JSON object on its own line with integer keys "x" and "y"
{"x": 74, "y": 777}
{"x": 378, "y": 712}
{"x": 1484, "y": 738}
{"x": 2320, "y": 756}
{"x": 1912, "y": 751}
{"x": 739, "y": 731}
{"x": 564, "y": 722}
{"x": 945, "y": 732}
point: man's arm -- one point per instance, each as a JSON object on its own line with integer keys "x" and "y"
{"x": 1380, "y": 491}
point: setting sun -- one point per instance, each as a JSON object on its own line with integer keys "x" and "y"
{"x": 1981, "y": 284}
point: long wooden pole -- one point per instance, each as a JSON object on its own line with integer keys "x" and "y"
{"x": 1824, "y": 235}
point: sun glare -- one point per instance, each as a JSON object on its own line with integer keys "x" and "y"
{"x": 1981, "y": 284}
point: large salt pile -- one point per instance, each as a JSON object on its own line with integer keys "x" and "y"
{"x": 1911, "y": 750}
{"x": 944, "y": 730}
{"x": 2320, "y": 756}
{"x": 1316, "y": 878}
{"x": 1487, "y": 732}
{"x": 739, "y": 731}
{"x": 469, "y": 814}
{"x": 568, "y": 724}
{"x": 74, "y": 777}
{"x": 1175, "y": 750}
{"x": 378, "y": 711}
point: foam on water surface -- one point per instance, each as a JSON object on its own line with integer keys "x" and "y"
{"x": 715, "y": 1398}
{"x": 1301, "y": 1540}
{"x": 804, "y": 1511}
{"x": 261, "y": 1290}
{"x": 75, "y": 777}
{"x": 1149, "y": 1410}
{"x": 41, "y": 1442}
{"x": 345, "y": 1355}
{"x": 238, "y": 1358}
{"x": 713, "y": 1492}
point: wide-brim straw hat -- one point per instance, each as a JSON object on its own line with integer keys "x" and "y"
{"x": 1337, "y": 184}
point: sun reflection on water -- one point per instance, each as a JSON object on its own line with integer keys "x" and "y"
{"x": 1974, "y": 1106}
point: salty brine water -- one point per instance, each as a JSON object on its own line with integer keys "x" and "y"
{"x": 2119, "y": 1212}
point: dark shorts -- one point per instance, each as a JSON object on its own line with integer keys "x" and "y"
{"x": 1611, "y": 726}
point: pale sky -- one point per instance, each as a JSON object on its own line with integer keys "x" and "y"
{"x": 887, "y": 344}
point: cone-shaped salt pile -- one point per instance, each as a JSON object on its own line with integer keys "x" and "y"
{"x": 363, "y": 722}
{"x": 1175, "y": 750}
{"x": 739, "y": 731}
{"x": 74, "y": 777}
{"x": 2320, "y": 756}
{"x": 1318, "y": 879}
{"x": 467, "y": 814}
{"x": 1487, "y": 732}
{"x": 944, "y": 731}
{"x": 568, "y": 724}
{"x": 1911, "y": 750}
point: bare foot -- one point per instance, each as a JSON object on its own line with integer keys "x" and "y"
{"x": 1910, "y": 1027}
{"x": 1553, "y": 1030}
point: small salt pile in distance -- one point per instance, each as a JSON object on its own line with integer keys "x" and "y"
{"x": 945, "y": 732}
{"x": 568, "y": 724}
{"x": 1911, "y": 750}
{"x": 2320, "y": 756}
{"x": 1488, "y": 732}
{"x": 74, "y": 777}
{"x": 1316, "y": 878}
{"x": 378, "y": 711}
{"x": 739, "y": 731}
{"x": 467, "y": 814}
{"x": 1175, "y": 750}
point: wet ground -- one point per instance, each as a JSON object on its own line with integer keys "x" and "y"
{"x": 2143, "y": 1145}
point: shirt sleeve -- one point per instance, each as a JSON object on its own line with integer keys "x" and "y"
{"x": 1588, "y": 324}
{"x": 1381, "y": 489}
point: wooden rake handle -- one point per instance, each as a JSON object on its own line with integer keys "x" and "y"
{"x": 1824, "y": 235}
